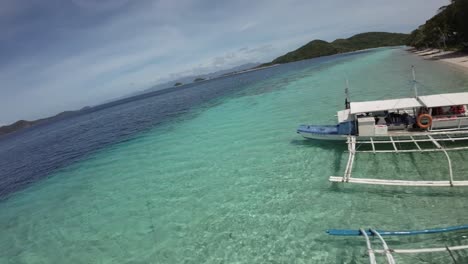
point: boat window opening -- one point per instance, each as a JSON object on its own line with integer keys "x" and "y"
{"x": 394, "y": 119}
{"x": 449, "y": 111}
{"x": 430, "y": 114}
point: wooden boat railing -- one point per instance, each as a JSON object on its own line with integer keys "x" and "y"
{"x": 457, "y": 123}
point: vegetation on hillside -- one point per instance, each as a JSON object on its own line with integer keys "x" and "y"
{"x": 199, "y": 79}
{"x": 448, "y": 29}
{"x": 25, "y": 124}
{"x": 318, "y": 48}
{"x": 315, "y": 48}
{"x": 370, "y": 40}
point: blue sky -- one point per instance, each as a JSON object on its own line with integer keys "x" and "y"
{"x": 58, "y": 55}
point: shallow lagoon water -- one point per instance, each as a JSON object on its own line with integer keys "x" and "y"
{"x": 231, "y": 182}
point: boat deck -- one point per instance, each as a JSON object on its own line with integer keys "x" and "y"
{"x": 415, "y": 133}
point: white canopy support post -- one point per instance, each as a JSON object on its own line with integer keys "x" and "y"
{"x": 348, "y": 101}
{"x": 370, "y": 251}
{"x": 414, "y": 82}
{"x": 387, "y": 251}
{"x": 448, "y": 158}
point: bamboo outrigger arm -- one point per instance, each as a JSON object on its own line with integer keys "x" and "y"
{"x": 389, "y": 252}
{"x": 437, "y": 146}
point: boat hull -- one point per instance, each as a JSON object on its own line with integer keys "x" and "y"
{"x": 328, "y": 133}
{"x": 320, "y": 132}
{"x": 316, "y": 136}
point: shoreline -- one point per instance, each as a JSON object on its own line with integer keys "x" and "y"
{"x": 456, "y": 59}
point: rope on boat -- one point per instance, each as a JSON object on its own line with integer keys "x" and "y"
{"x": 450, "y": 253}
{"x": 348, "y": 232}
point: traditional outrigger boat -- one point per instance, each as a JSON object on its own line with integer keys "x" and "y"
{"x": 433, "y": 119}
{"x": 420, "y": 121}
{"x": 389, "y": 252}
{"x": 420, "y": 115}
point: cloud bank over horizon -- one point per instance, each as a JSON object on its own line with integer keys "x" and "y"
{"x": 61, "y": 55}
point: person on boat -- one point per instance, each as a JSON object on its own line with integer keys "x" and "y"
{"x": 405, "y": 119}
{"x": 347, "y": 104}
{"x": 457, "y": 109}
{"x": 387, "y": 118}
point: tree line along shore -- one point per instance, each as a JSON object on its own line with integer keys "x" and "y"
{"x": 447, "y": 30}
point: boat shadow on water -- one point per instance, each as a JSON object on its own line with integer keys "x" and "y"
{"x": 323, "y": 144}
{"x": 338, "y": 153}
{"x": 398, "y": 192}
{"x": 350, "y": 249}
{"x": 335, "y": 148}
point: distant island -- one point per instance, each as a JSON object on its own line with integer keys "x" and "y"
{"x": 318, "y": 48}
{"x": 199, "y": 79}
{"x": 25, "y": 124}
{"x": 181, "y": 83}
{"x": 313, "y": 49}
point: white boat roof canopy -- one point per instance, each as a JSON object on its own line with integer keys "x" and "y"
{"x": 382, "y": 105}
{"x": 447, "y": 99}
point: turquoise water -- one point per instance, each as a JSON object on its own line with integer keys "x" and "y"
{"x": 233, "y": 183}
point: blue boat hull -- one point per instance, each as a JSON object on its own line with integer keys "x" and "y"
{"x": 326, "y": 132}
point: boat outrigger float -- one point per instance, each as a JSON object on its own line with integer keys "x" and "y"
{"x": 385, "y": 125}
{"x": 389, "y": 252}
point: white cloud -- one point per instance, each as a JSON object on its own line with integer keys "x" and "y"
{"x": 99, "y": 5}
{"x": 247, "y": 26}
{"x": 104, "y": 49}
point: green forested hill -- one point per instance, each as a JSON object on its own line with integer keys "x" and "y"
{"x": 315, "y": 48}
{"x": 370, "y": 40}
{"x": 448, "y": 29}
{"x": 318, "y": 48}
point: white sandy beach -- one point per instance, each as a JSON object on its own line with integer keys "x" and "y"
{"x": 457, "y": 59}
